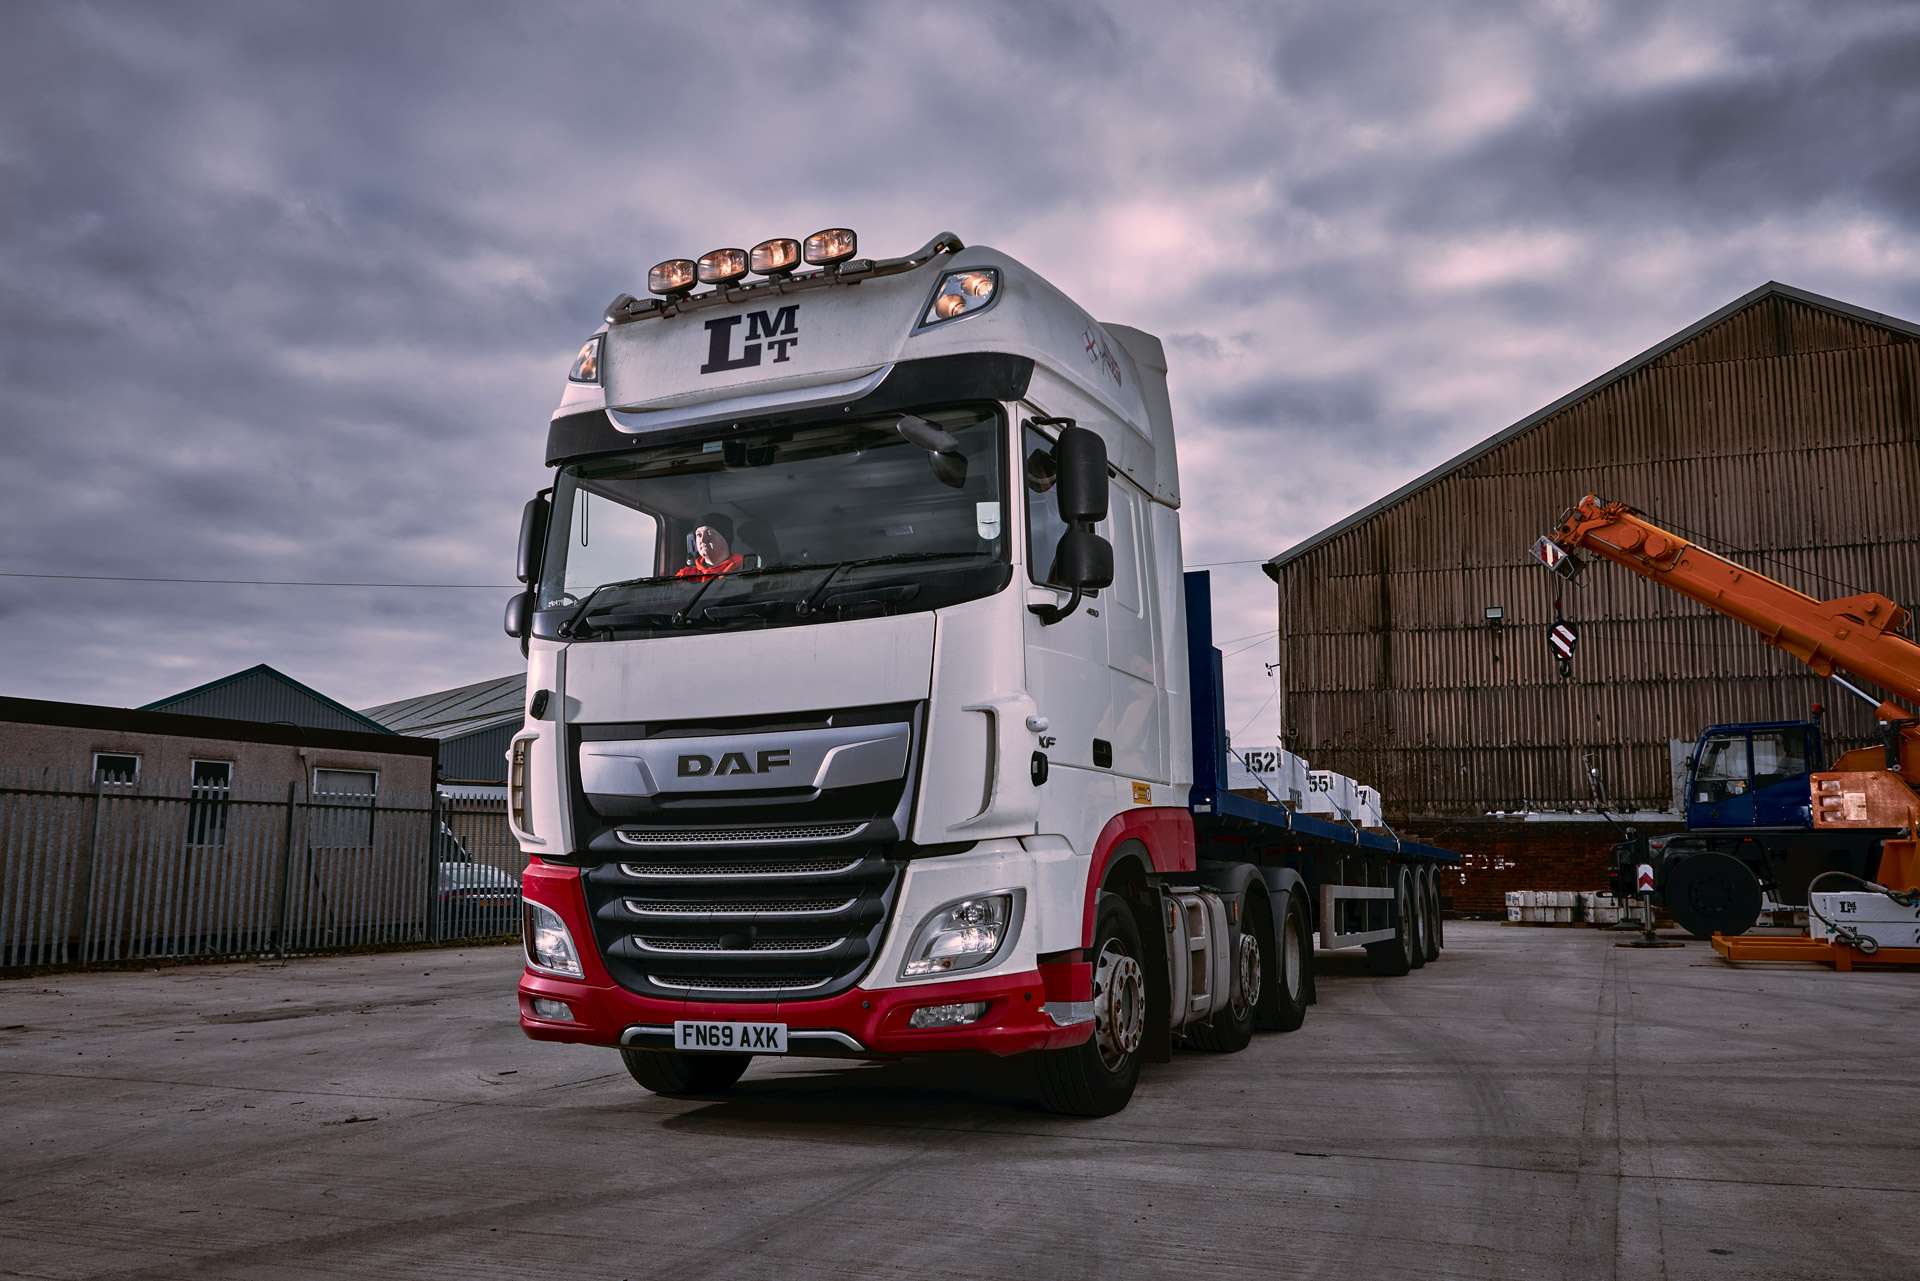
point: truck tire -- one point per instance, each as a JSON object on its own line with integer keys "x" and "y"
{"x": 1713, "y": 893}
{"x": 1283, "y": 1006}
{"x": 1096, "y": 1077}
{"x": 671, "y": 1072}
{"x": 1393, "y": 957}
{"x": 1229, "y": 1030}
{"x": 1430, "y": 904}
{"x": 1416, "y": 918}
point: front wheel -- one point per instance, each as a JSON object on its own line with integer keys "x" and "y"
{"x": 1713, "y": 893}
{"x": 1097, "y": 1077}
{"x": 672, "y": 1072}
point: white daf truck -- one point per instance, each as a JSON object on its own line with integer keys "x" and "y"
{"x": 869, "y": 710}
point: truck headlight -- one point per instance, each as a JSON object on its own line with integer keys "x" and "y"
{"x": 549, "y": 946}
{"x": 962, "y": 935}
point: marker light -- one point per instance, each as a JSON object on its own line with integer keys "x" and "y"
{"x": 722, "y": 266}
{"x": 962, "y": 935}
{"x": 775, "y": 257}
{"x": 674, "y": 276}
{"x": 835, "y": 244}
{"x": 586, "y": 366}
{"x": 960, "y": 293}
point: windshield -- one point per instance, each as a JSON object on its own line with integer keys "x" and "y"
{"x": 781, "y": 528}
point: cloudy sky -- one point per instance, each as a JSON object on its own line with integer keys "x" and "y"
{"x": 287, "y": 292}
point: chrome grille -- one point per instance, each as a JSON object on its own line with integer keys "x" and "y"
{"x": 736, "y": 835}
{"x": 695, "y": 871}
{"x": 759, "y": 926}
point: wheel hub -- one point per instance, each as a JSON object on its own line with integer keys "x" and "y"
{"x": 1119, "y": 1005}
{"x": 1246, "y": 986}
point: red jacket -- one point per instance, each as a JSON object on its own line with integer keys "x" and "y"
{"x": 700, "y": 569}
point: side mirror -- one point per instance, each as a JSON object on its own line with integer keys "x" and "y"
{"x": 519, "y": 620}
{"x": 1081, "y": 491}
{"x": 533, "y": 541}
{"x": 1084, "y": 560}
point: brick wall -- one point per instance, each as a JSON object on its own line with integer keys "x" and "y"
{"x": 1499, "y": 855}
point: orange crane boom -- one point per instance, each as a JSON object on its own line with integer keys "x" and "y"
{"x": 1859, "y": 636}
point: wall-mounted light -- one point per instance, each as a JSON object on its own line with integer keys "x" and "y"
{"x": 1495, "y": 616}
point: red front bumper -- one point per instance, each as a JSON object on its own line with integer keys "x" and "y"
{"x": 877, "y": 1020}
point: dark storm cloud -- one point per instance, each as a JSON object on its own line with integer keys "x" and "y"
{"x": 286, "y": 292}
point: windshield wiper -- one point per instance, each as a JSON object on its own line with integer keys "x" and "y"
{"x": 806, "y": 606}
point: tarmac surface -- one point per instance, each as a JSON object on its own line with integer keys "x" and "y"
{"x": 1537, "y": 1103}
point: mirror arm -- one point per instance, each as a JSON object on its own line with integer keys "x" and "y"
{"x": 1051, "y": 614}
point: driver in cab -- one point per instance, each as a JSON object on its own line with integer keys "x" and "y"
{"x": 713, "y": 549}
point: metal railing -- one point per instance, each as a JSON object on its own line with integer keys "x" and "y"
{"x": 95, "y": 871}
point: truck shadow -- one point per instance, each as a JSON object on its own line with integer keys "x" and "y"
{"x": 956, "y": 1091}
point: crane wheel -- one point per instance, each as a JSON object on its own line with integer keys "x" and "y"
{"x": 1713, "y": 893}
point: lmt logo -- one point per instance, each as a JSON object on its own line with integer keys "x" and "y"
{"x": 760, "y": 324}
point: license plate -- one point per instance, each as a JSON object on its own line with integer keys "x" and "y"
{"x": 733, "y": 1038}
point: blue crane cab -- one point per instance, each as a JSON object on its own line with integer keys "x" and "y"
{"x": 1753, "y": 775}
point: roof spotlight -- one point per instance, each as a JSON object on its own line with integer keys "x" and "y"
{"x": 674, "y": 276}
{"x": 775, "y": 257}
{"x": 835, "y": 244}
{"x": 722, "y": 266}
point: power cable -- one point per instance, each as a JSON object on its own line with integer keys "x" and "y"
{"x": 253, "y": 582}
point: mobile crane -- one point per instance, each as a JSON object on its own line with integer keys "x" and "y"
{"x": 1861, "y": 816}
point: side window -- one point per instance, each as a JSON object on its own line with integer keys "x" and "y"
{"x": 1778, "y": 755}
{"x": 207, "y": 809}
{"x": 1044, "y": 525}
{"x": 343, "y": 806}
{"x": 1123, "y": 519}
{"x": 116, "y": 768}
{"x": 611, "y": 542}
{"x": 1722, "y": 772}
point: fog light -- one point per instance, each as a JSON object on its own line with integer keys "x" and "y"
{"x": 722, "y": 266}
{"x": 674, "y": 276}
{"x": 558, "y": 1011}
{"x": 948, "y": 1015}
{"x": 962, "y": 935}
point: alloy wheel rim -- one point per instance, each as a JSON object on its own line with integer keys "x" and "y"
{"x": 1119, "y": 1005}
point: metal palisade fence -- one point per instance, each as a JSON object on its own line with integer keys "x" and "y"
{"x": 96, "y": 870}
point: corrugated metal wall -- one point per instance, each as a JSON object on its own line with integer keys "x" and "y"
{"x": 1786, "y": 430}
{"x": 257, "y": 696}
{"x": 479, "y": 757}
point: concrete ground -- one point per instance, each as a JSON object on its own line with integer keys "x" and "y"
{"x": 1539, "y": 1103}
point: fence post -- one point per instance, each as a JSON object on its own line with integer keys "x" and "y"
{"x": 433, "y": 866}
{"x": 286, "y": 874}
{"x": 86, "y": 871}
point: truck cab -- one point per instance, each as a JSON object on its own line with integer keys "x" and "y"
{"x": 861, "y": 714}
{"x": 1753, "y": 775}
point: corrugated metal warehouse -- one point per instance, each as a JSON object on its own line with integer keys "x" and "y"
{"x": 1779, "y": 431}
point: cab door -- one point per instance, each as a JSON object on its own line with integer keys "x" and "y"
{"x": 1134, "y": 656}
{"x": 1721, "y": 791}
{"x": 1067, "y": 661}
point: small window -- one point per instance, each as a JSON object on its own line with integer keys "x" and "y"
{"x": 114, "y": 767}
{"x": 343, "y": 806}
{"x": 1722, "y": 773}
{"x": 1778, "y": 755}
{"x": 207, "y": 810}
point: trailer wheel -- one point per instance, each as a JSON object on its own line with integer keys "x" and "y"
{"x": 1416, "y": 917}
{"x": 671, "y": 1072}
{"x": 1394, "y": 956}
{"x": 1230, "y": 1029}
{"x": 1430, "y": 904}
{"x": 1096, "y": 1077}
{"x": 1283, "y": 1006}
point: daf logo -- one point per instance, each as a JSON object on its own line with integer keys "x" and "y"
{"x": 695, "y": 766}
{"x": 767, "y": 325}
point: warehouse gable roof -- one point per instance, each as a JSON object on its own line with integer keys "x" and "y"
{"x": 261, "y": 693}
{"x": 450, "y": 713}
{"x": 1772, "y": 288}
